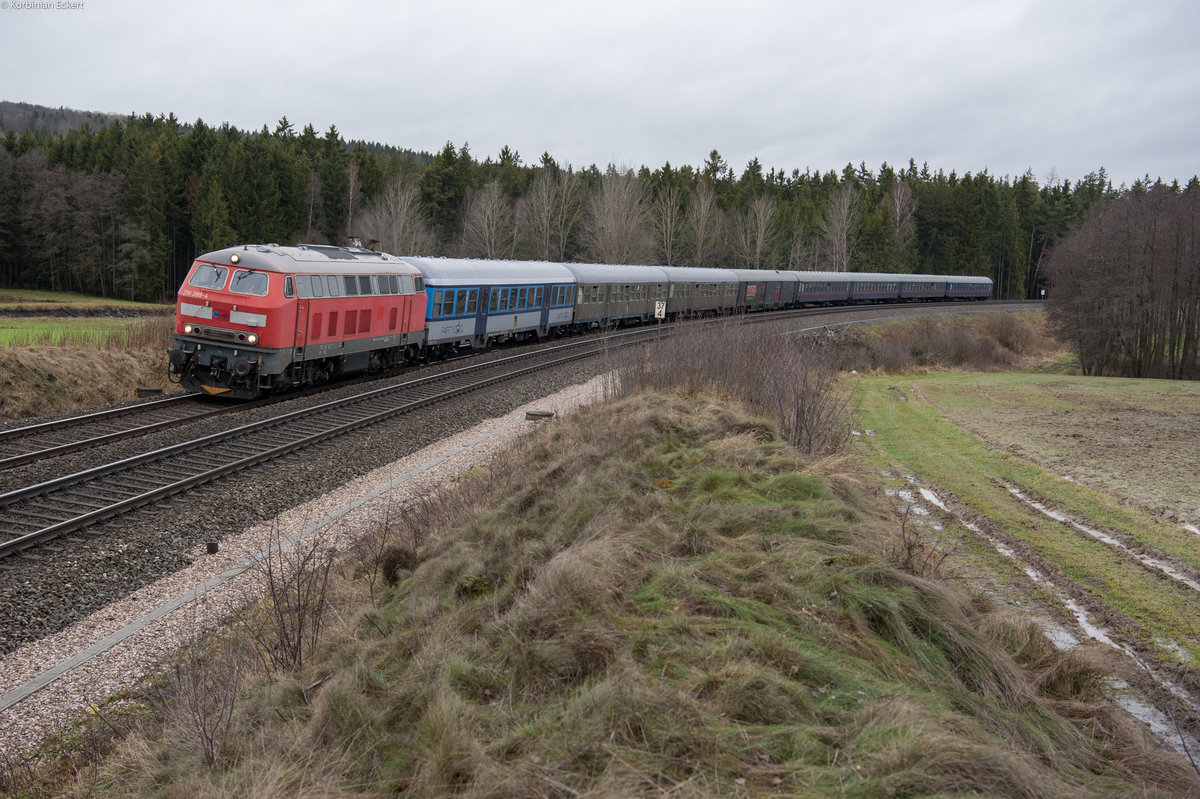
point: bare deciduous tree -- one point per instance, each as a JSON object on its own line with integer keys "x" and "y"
{"x": 489, "y": 224}
{"x": 756, "y": 233}
{"x": 902, "y": 211}
{"x": 550, "y": 212}
{"x": 397, "y": 221}
{"x": 1125, "y": 288}
{"x": 668, "y": 221}
{"x": 617, "y": 230}
{"x": 704, "y": 221}
{"x": 804, "y": 249}
{"x": 839, "y": 227}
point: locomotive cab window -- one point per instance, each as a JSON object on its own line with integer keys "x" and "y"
{"x": 247, "y": 282}
{"x": 351, "y": 284}
{"x": 208, "y": 276}
{"x": 288, "y": 289}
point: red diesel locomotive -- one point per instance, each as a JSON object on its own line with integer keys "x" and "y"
{"x": 253, "y": 319}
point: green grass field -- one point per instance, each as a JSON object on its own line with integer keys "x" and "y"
{"x": 1080, "y": 445}
{"x": 101, "y": 331}
{"x": 26, "y": 300}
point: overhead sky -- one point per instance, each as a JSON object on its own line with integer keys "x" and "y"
{"x": 1059, "y": 87}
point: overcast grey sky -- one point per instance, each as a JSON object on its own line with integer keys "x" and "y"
{"x": 1059, "y": 87}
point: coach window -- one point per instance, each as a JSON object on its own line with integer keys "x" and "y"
{"x": 494, "y": 302}
{"x": 537, "y": 297}
{"x": 473, "y": 301}
{"x": 247, "y": 282}
{"x": 460, "y": 302}
{"x": 436, "y": 310}
{"x": 207, "y": 276}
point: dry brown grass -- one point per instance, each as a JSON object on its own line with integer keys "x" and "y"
{"x": 980, "y": 342}
{"x": 660, "y": 598}
{"x": 45, "y": 379}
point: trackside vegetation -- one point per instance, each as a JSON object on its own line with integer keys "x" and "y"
{"x": 660, "y": 595}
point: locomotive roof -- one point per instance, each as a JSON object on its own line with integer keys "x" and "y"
{"x": 322, "y": 258}
{"x": 606, "y": 273}
{"x": 467, "y": 271}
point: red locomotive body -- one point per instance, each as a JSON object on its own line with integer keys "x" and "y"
{"x": 253, "y": 319}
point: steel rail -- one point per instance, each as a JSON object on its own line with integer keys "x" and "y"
{"x": 461, "y": 381}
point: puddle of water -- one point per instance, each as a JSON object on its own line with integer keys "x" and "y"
{"x": 1065, "y": 640}
{"x": 1105, "y": 538}
{"x": 1191, "y": 528}
{"x": 1158, "y": 722}
{"x": 1175, "y": 648}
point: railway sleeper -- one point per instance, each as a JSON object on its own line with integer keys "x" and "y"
{"x": 38, "y": 520}
{"x": 132, "y": 485}
{"x": 17, "y": 521}
{"x": 68, "y": 503}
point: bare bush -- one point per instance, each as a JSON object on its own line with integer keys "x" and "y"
{"x": 199, "y": 692}
{"x": 295, "y": 578}
{"x": 916, "y": 552}
{"x": 800, "y": 391}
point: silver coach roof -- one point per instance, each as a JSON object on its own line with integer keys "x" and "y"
{"x": 308, "y": 258}
{"x": 619, "y": 273}
{"x": 767, "y": 275}
{"x": 699, "y": 274}
{"x": 470, "y": 272}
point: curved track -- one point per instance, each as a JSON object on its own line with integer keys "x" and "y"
{"x": 39, "y": 513}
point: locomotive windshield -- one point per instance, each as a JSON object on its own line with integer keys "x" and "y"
{"x": 208, "y": 276}
{"x": 247, "y": 282}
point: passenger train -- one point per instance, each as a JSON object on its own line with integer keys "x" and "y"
{"x": 255, "y": 319}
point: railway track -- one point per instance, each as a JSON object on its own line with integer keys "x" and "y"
{"x": 21, "y": 445}
{"x": 35, "y": 514}
{"x": 40, "y": 513}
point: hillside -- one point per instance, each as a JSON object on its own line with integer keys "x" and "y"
{"x": 43, "y": 120}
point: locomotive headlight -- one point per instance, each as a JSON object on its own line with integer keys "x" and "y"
{"x": 252, "y": 338}
{"x": 233, "y": 259}
{"x": 187, "y": 330}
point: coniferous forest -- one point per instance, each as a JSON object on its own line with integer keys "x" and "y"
{"x": 120, "y": 210}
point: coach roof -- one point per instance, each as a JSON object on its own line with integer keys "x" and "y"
{"x": 617, "y": 273}
{"x": 470, "y": 272}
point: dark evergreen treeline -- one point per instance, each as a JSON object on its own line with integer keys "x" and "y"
{"x": 123, "y": 209}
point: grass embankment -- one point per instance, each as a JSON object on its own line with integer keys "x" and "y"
{"x": 654, "y": 597}
{"x": 90, "y": 352}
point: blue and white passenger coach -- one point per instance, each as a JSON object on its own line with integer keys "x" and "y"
{"x": 473, "y": 303}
